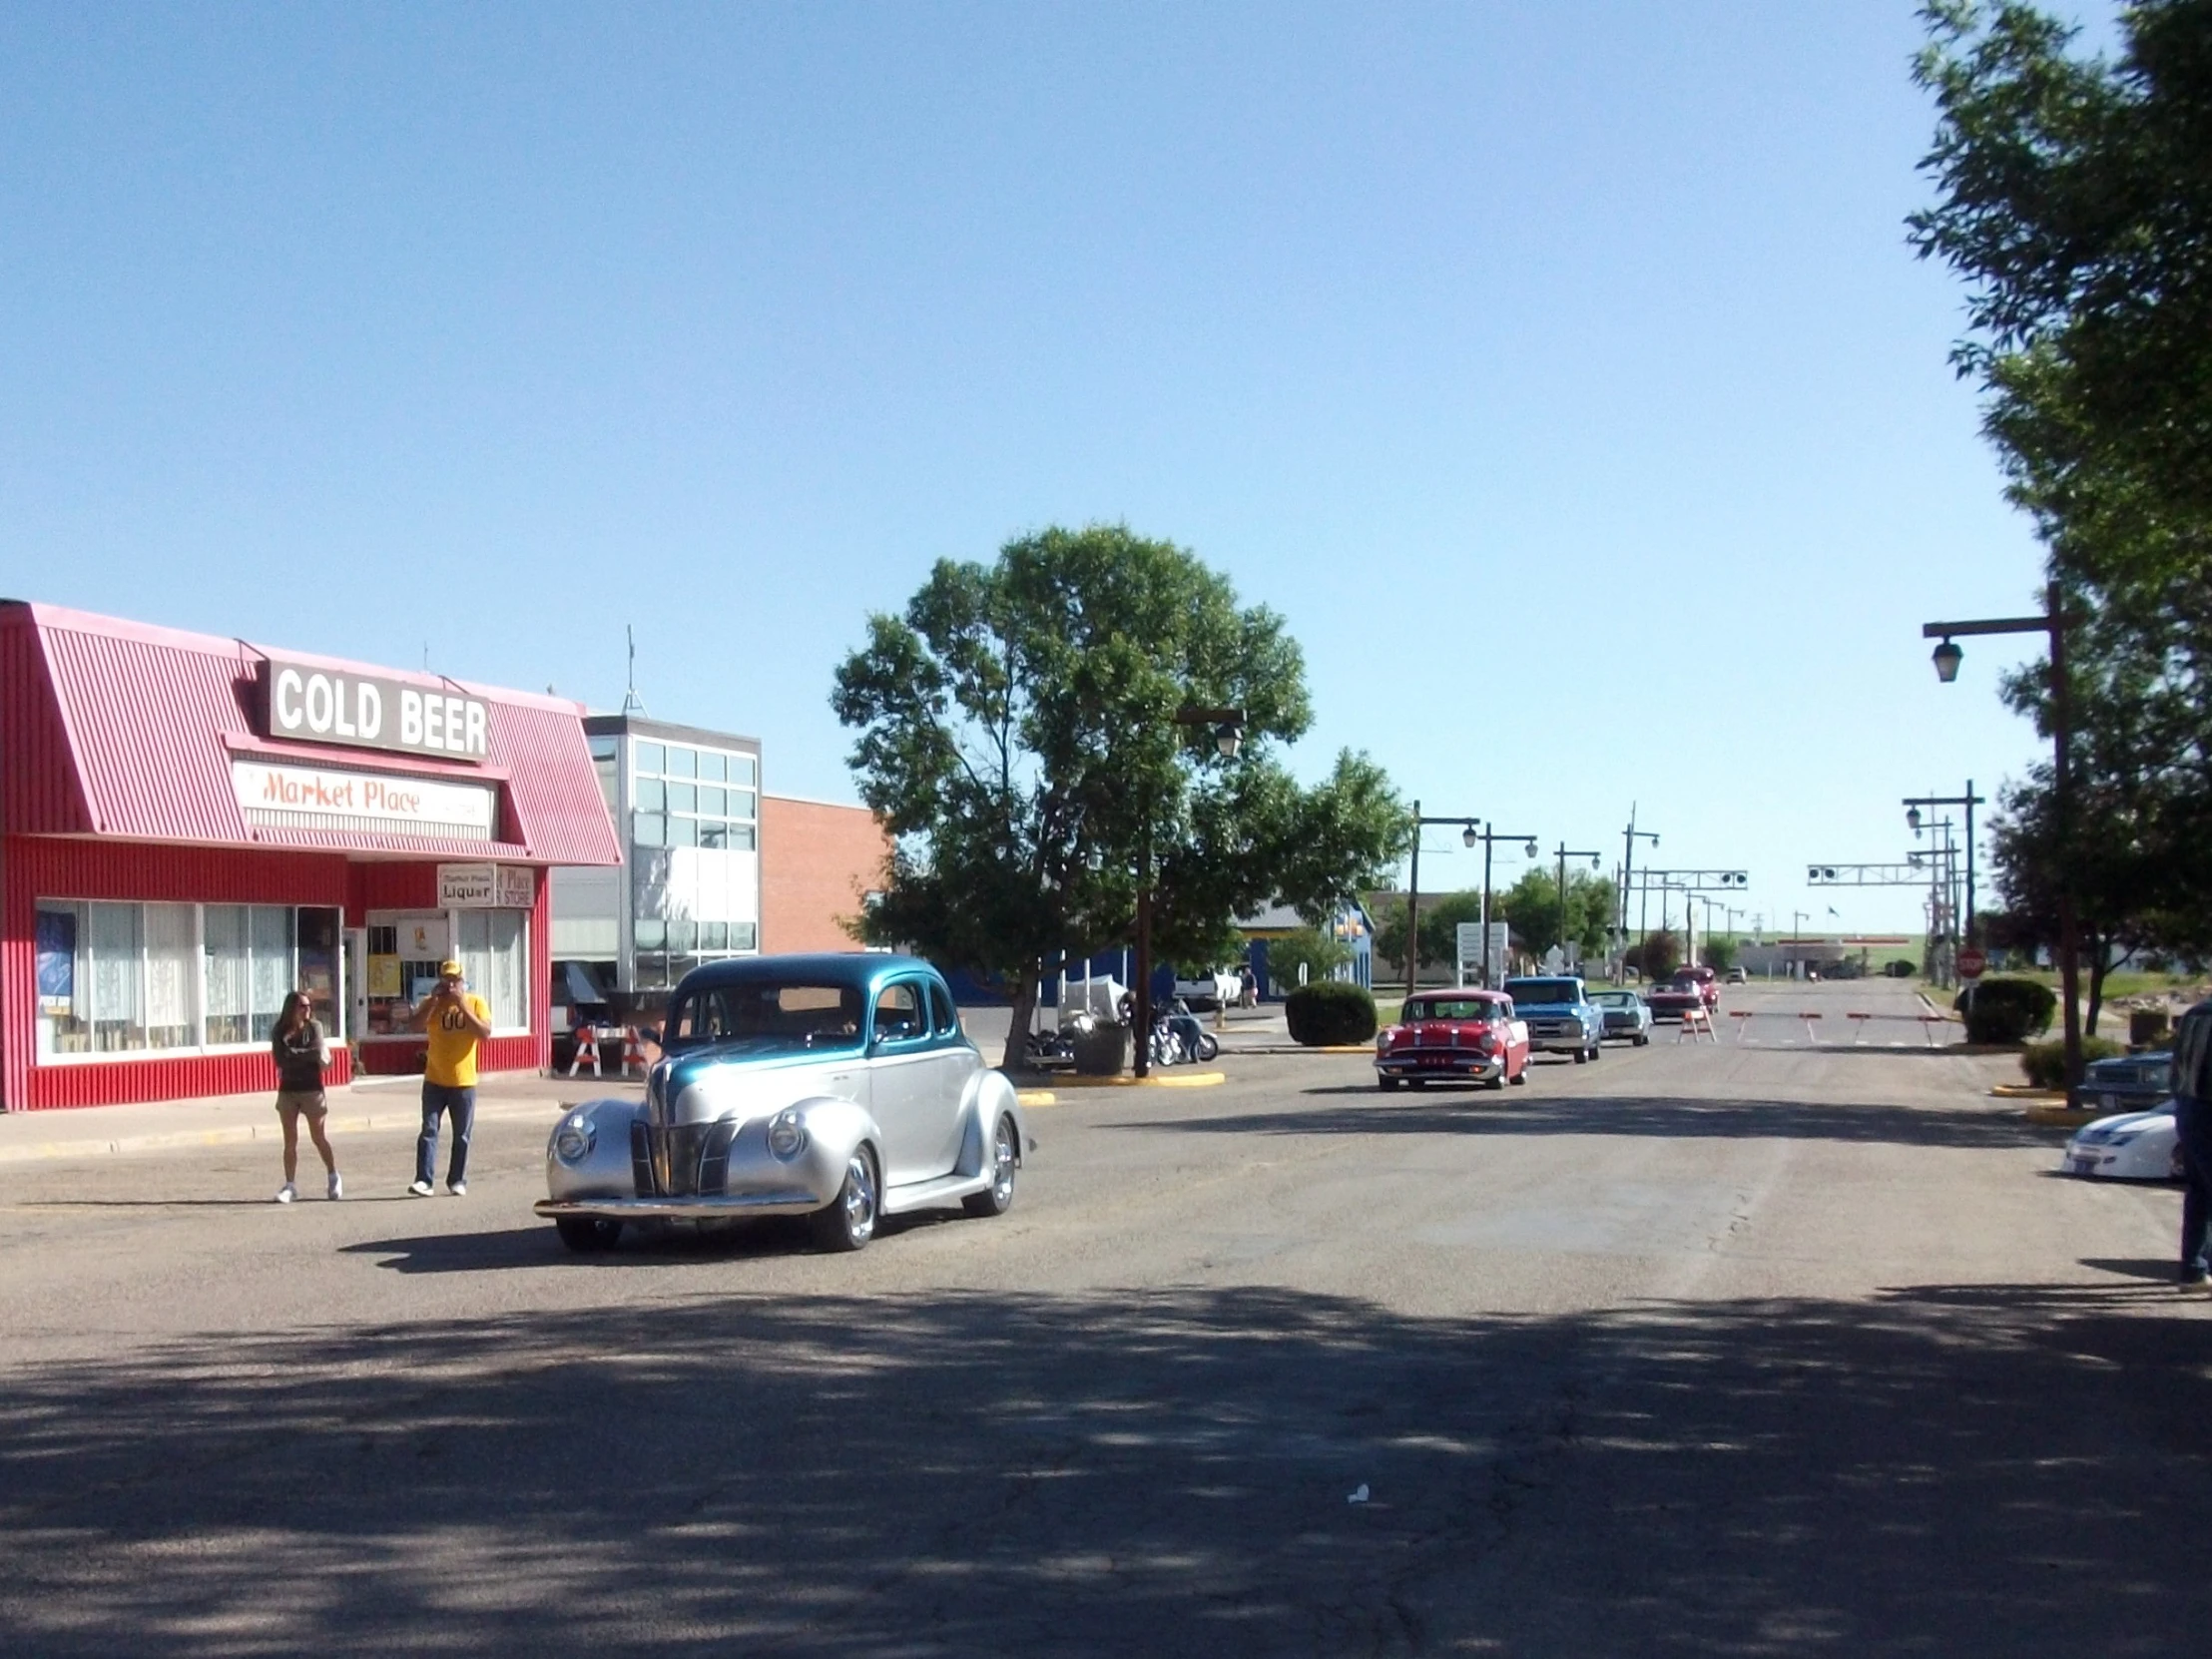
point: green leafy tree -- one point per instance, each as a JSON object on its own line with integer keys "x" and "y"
{"x": 1440, "y": 916}
{"x": 2074, "y": 197}
{"x": 1017, "y": 736}
{"x": 1657, "y": 956}
{"x": 1531, "y": 906}
{"x": 1306, "y": 947}
{"x": 1717, "y": 951}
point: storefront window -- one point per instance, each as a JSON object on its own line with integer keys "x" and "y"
{"x": 165, "y": 978}
{"x": 171, "y": 1000}
{"x": 495, "y": 955}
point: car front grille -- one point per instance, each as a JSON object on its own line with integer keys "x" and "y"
{"x": 682, "y": 1162}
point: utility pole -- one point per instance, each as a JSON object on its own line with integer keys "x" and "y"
{"x": 1629, "y": 838}
{"x": 1564, "y": 854}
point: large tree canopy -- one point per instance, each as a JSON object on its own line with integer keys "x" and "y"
{"x": 2075, "y": 199}
{"x": 1017, "y": 735}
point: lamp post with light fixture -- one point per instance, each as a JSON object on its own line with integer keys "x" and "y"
{"x": 1564, "y": 853}
{"x": 1469, "y": 836}
{"x": 1947, "y": 657}
{"x": 1228, "y": 725}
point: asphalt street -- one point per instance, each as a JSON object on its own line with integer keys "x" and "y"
{"x": 1752, "y": 1347}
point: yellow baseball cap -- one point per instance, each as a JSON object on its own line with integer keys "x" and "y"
{"x": 449, "y": 969}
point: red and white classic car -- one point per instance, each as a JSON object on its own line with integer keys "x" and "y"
{"x": 1453, "y": 1036}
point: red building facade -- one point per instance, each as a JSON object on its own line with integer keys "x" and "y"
{"x": 192, "y": 827}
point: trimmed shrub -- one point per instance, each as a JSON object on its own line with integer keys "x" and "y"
{"x": 1330, "y": 1012}
{"x": 2006, "y": 1010}
{"x": 2045, "y": 1063}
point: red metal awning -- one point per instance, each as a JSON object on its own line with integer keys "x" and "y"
{"x": 123, "y": 729}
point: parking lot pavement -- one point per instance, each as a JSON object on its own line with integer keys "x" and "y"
{"x": 1702, "y": 1348}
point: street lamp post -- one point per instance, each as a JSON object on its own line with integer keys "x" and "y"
{"x": 1468, "y": 836}
{"x": 1228, "y": 725}
{"x": 1629, "y": 838}
{"x": 1491, "y": 837}
{"x": 1970, "y": 800}
{"x": 1947, "y": 657}
{"x": 1565, "y": 852}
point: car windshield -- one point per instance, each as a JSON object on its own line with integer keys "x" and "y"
{"x": 768, "y": 1016}
{"x": 1542, "y": 990}
{"x": 1615, "y": 999}
{"x": 1453, "y": 1007}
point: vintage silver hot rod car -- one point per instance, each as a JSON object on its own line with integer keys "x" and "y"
{"x": 839, "y": 1088}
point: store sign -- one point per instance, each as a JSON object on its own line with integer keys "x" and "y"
{"x": 367, "y": 711}
{"x": 311, "y": 797}
{"x": 486, "y": 887}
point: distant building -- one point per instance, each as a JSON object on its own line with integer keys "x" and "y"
{"x": 687, "y": 809}
{"x": 1350, "y": 927}
{"x": 713, "y": 867}
{"x": 820, "y": 863}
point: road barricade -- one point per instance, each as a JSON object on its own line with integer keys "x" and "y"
{"x": 587, "y": 1044}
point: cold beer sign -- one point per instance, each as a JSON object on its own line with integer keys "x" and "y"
{"x": 367, "y": 711}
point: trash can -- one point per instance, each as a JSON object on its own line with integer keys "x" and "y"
{"x": 2148, "y": 1028}
{"x": 1102, "y": 1050}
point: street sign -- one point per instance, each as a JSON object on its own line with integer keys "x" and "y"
{"x": 1971, "y": 963}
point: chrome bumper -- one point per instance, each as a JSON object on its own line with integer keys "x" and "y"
{"x": 699, "y": 1206}
{"x": 1481, "y": 1067}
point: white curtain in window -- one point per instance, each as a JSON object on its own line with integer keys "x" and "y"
{"x": 271, "y": 926}
{"x": 495, "y": 955}
{"x": 168, "y": 975}
{"x": 118, "y": 977}
{"x": 510, "y": 970}
{"x": 229, "y": 1005}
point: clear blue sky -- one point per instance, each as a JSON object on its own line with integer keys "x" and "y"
{"x": 1559, "y": 370}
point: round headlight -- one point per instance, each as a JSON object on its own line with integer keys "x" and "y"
{"x": 787, "y": 1134}
{"x": 574, "y": 1140}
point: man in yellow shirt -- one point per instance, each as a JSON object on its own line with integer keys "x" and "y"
{"x": 455, "y": 1020}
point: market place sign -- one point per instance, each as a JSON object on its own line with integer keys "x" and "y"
{"x": 312, "y": 797}
{"x": 368, "y": 710}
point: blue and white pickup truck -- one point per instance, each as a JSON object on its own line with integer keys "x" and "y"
{"x": 1560, "y": 1015}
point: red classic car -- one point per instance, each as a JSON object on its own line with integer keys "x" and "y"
{"x": 1453, "y": 1035}
{"x": 1674, "y": 999}
{"x": 1707, "y": 982}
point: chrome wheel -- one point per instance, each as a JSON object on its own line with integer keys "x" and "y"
{"x": 998, "y": 1198}
{"x": 850, "y": 1221}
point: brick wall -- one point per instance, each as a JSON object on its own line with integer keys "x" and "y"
{"x": 817, "y": 861}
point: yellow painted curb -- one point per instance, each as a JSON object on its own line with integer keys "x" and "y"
{"x": 1037, "y": 1097}
{"x": 2024, "y": 1091}
{"x": 1181, "y": 1080}
{"x": 2064, "y": 1117}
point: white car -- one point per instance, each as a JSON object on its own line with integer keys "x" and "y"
{"x": 2134, "y": 1146}
{"x": 1218, "y": 990}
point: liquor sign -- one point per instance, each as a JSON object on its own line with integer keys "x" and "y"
{"x": 312, "y": 797}
{"x": 1971, "y": 962}
{"x": 467, "y": 886}
{"x": 369, "y": 711}
{"x": 486, "y": 886}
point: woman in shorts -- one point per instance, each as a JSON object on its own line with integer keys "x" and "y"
{"x": 302, "y": 1052}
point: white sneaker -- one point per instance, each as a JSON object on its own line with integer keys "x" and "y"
{"x": 337, "y": 1185}
{"x": 459, "y": 1189}
{"x": 286, "y": 1193}
{"x": 419, "y": 1189}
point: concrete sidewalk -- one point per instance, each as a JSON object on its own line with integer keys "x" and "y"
{"x": 373, "y": 1106}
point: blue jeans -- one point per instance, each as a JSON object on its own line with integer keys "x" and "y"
{"x": 437, "y": 1100}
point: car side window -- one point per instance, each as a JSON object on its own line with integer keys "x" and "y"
{"x": 943, "y": 1017}
{"x": 899, "y": 1015}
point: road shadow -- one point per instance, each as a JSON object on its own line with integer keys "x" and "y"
{"x": 539, "y": 1246}
{"x": 1959, "y": 1470}
{"x": 1434, "y": 1112}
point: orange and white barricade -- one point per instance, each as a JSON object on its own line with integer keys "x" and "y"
{"x": 1740, "y": 1016}
{"x": 633, "y": 1051}
{"x": 1858, "y": 1027}
{"x": 587, "y": 1044}
{"x": 1696, "y": 1022}
{"x": 1811, "y": 1036}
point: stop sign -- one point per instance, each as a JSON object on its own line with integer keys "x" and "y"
{"x": 1971, "y": 963}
